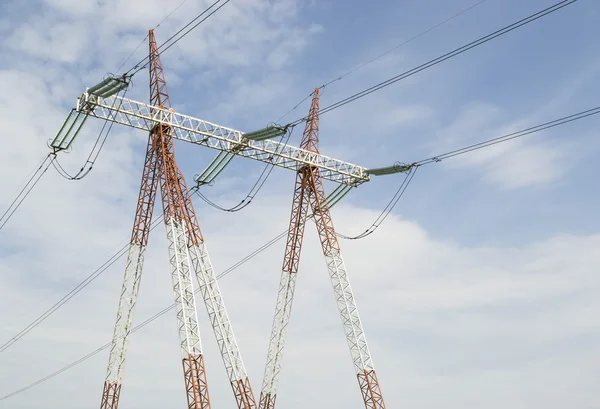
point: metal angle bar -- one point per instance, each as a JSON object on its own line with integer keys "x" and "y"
{"x": 143, "y": 116}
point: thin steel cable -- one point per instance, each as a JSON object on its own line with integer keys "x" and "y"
{"x": 144, "y": 62}
{"x": 387, "y": 210}
{"x": 442, "y": 58}
{"x": 19, "y": 191}
{"x": 22, "y": 187}
{"x": 550, "y": 124}
{"x": 480, "y": 145}
{"x": 372, "y": 60}
{"x": 143, "y": 324}
{"x": 50, "y": 295}
{"x": 513, "y": 135}
{"x": 171, "y": 13}
{"x": 146, "y": 37}
{"x": 66, "y": 298}
{"x": 411, "y": 39}
{"x": 132, "y": 53}
{"x": 437, "y": 158}
{"x": 26, "y": 190}
{"x": 83, "y": 172}
{"x": 296, "y": 106}
{"x": 260, "y": 183}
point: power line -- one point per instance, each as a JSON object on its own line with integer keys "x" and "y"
{"x": 294, "y": 107}
{"x": 438, "y": 158}
{"x": 146, "y": 37}
{"x": 444, "y": 57}
{"x": 143, "y": 324}
{"x": 80, "y": 175}
{"x": 132, "y": 53}
{"x": 171, "y": 13}
{"x": 52, "y": 375}
{"x": 27, "y": 188}
{"x": 510, "y": 136}
{"x": 38, "y": 173}
{"x": 67, "y": 297}
{"x": 399, "y": 193}
{"x": 88, "y": 280}
{"x": 22, "y": 187}
{"x": 387, "y": 210}
{"x": 84, "y": 172}
{"x": 122, "y": 251}
{"x": 262, "y": 179}
{"x": 50, "y": 295}
{"x": 362, "y": 65}
{"x": 142, "y": 64}
{"x": 64, "y": 300}
{"x": 413, "y": 38}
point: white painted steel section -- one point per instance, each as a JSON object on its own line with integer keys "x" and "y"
{"x": 283, "y": 309}
{"x": 183, "y": 287}
{"x": 215, "y": 306}
{"x": 344, "y": 296}
{"x": 129, "y": 293}
{"x": 143, "y": 116}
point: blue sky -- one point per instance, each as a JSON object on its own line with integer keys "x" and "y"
{"x": 479, "y": 291}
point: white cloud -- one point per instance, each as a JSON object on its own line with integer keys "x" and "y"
{"x": 448, "y": 323}
{"x": 506, "y": 302}
{"x": 62, "y": 43}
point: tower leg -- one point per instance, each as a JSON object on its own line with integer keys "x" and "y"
{"x": 188, "y": 254}
{"x": 177, "y": 223}
{"x": 195, "y": 382}
{"x": 217, "y": 314}
{"x": 309, "y": 190}
{"x": 189, "y": 333}
{"x": 291, "y": 260}
{"x": 287, "y": 286}
{"x": 355, "y": 335}
{"x": 131, "y": 280}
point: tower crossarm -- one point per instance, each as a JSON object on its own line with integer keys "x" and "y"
{"x": 143, "y": 116}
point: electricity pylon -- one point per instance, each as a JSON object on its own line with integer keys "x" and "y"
{"x": 187, "y": 255}
{"x": 187, "y": 250}
{"x": 309, "y": 192}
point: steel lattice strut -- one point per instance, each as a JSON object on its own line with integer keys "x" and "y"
{"x": 309, "y": 191}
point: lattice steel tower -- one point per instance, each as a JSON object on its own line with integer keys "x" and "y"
{"x": 309, "y": 192}
{"x": 187, "y": 255}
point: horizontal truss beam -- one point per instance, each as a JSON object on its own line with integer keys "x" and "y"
{"x": 139, "y": 115}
